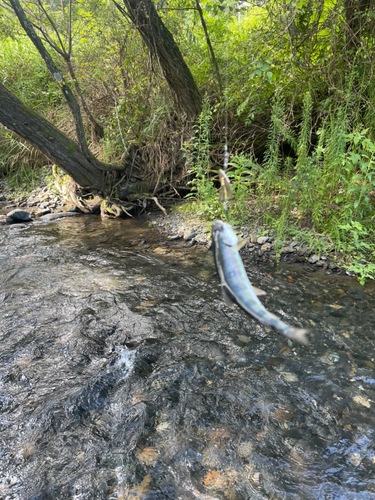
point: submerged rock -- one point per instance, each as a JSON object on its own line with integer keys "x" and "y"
{"x": 59, "y": 215}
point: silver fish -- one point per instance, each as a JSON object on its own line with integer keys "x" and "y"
{"x": 236, "y": 285}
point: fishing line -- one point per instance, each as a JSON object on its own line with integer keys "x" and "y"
{"x": 225, "y": 190}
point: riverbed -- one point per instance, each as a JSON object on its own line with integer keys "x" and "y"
{"x": 124, "y": 375}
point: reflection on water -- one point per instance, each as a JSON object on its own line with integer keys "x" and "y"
{"x": 124, "y": 375}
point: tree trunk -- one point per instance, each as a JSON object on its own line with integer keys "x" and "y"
{"x": 62, "y": 151}
{"x": 164, "y": 49}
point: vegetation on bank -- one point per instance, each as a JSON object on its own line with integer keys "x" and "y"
{"x": 289, "y": 85}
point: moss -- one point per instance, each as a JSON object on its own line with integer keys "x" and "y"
{"x": 71, "y": 148}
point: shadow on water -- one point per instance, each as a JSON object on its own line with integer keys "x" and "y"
{"x": 124, "y": 375}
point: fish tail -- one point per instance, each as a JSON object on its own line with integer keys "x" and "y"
{"x": 295, "y": 334}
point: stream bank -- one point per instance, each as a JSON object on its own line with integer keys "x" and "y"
{"x": 179, "y": 227}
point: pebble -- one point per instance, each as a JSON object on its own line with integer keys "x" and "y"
{"x": 289, "y": 376}
{"x": 262, "y": 240}
{"x": 266, "y": 247}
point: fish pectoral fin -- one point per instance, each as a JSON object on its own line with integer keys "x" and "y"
{"x": 258, "y": 291}
{"x": 227, "y": 296}
{"x": 241, "y": 244}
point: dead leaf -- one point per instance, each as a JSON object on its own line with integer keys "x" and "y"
{"x": 362, "y": 401}
{"x": 370, "y": 364}
{"x": 203, "y": 328}
{"x": 220, "y": 435}
{"x": 147, "y": 456}
{"x": 284, "y": 350}
{"x": 162, "y": 426}
{"x": 139, "y": 398}
{"x": 220, "y": 480}
{"x": 260, "y": 435}
{"x": 290, "y": 279}
{"x": 335, "y": 306}
{"x": 138, "y": 490}
{"x": 161, "y": 251}
{"x": 213, "y": 479}
{"x": 283, "y": 413}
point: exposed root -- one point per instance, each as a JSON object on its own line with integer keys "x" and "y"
{"x": 108, "y": 206}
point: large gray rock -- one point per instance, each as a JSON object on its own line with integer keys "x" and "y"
{"x": 287, "y": 249}
{"x": 303, "y": 250}
{"x": 59, "y": 215}
{"x": 189, "y": 235}
{"x": 19, "y": 215}
{"x": 313, "y": 259}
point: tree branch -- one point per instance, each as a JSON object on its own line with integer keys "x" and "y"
{"x": 213, "y": 58}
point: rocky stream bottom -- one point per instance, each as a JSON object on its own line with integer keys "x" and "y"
{"x": 123, "y": 374}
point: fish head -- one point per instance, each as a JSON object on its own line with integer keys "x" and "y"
{"x": 223, "y": 233}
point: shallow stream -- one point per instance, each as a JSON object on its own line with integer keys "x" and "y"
{"x": 123, "y": 375}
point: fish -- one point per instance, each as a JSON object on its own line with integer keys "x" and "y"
{"x": 236, "y": 286}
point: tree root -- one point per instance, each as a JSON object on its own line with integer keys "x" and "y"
{"x": 108, "y": 207}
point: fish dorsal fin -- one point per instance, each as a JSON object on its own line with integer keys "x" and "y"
{"x": 241, "y": 244}
{"x": 227, "y": 296}
{"x": 258, "y": 291}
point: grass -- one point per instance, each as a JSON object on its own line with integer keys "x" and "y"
{"x": 322, "y": 195}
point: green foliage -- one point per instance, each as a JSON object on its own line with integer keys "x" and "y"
{"x": 35, "y": 87}
{"x": 299, "y": 92}
{"x": 197, "y": 154}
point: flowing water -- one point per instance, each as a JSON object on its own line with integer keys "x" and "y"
{"x": 123, "y": 375}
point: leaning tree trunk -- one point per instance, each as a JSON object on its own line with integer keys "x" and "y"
{"x": 45, "y": 137}
{"x": 165, "y": 50}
